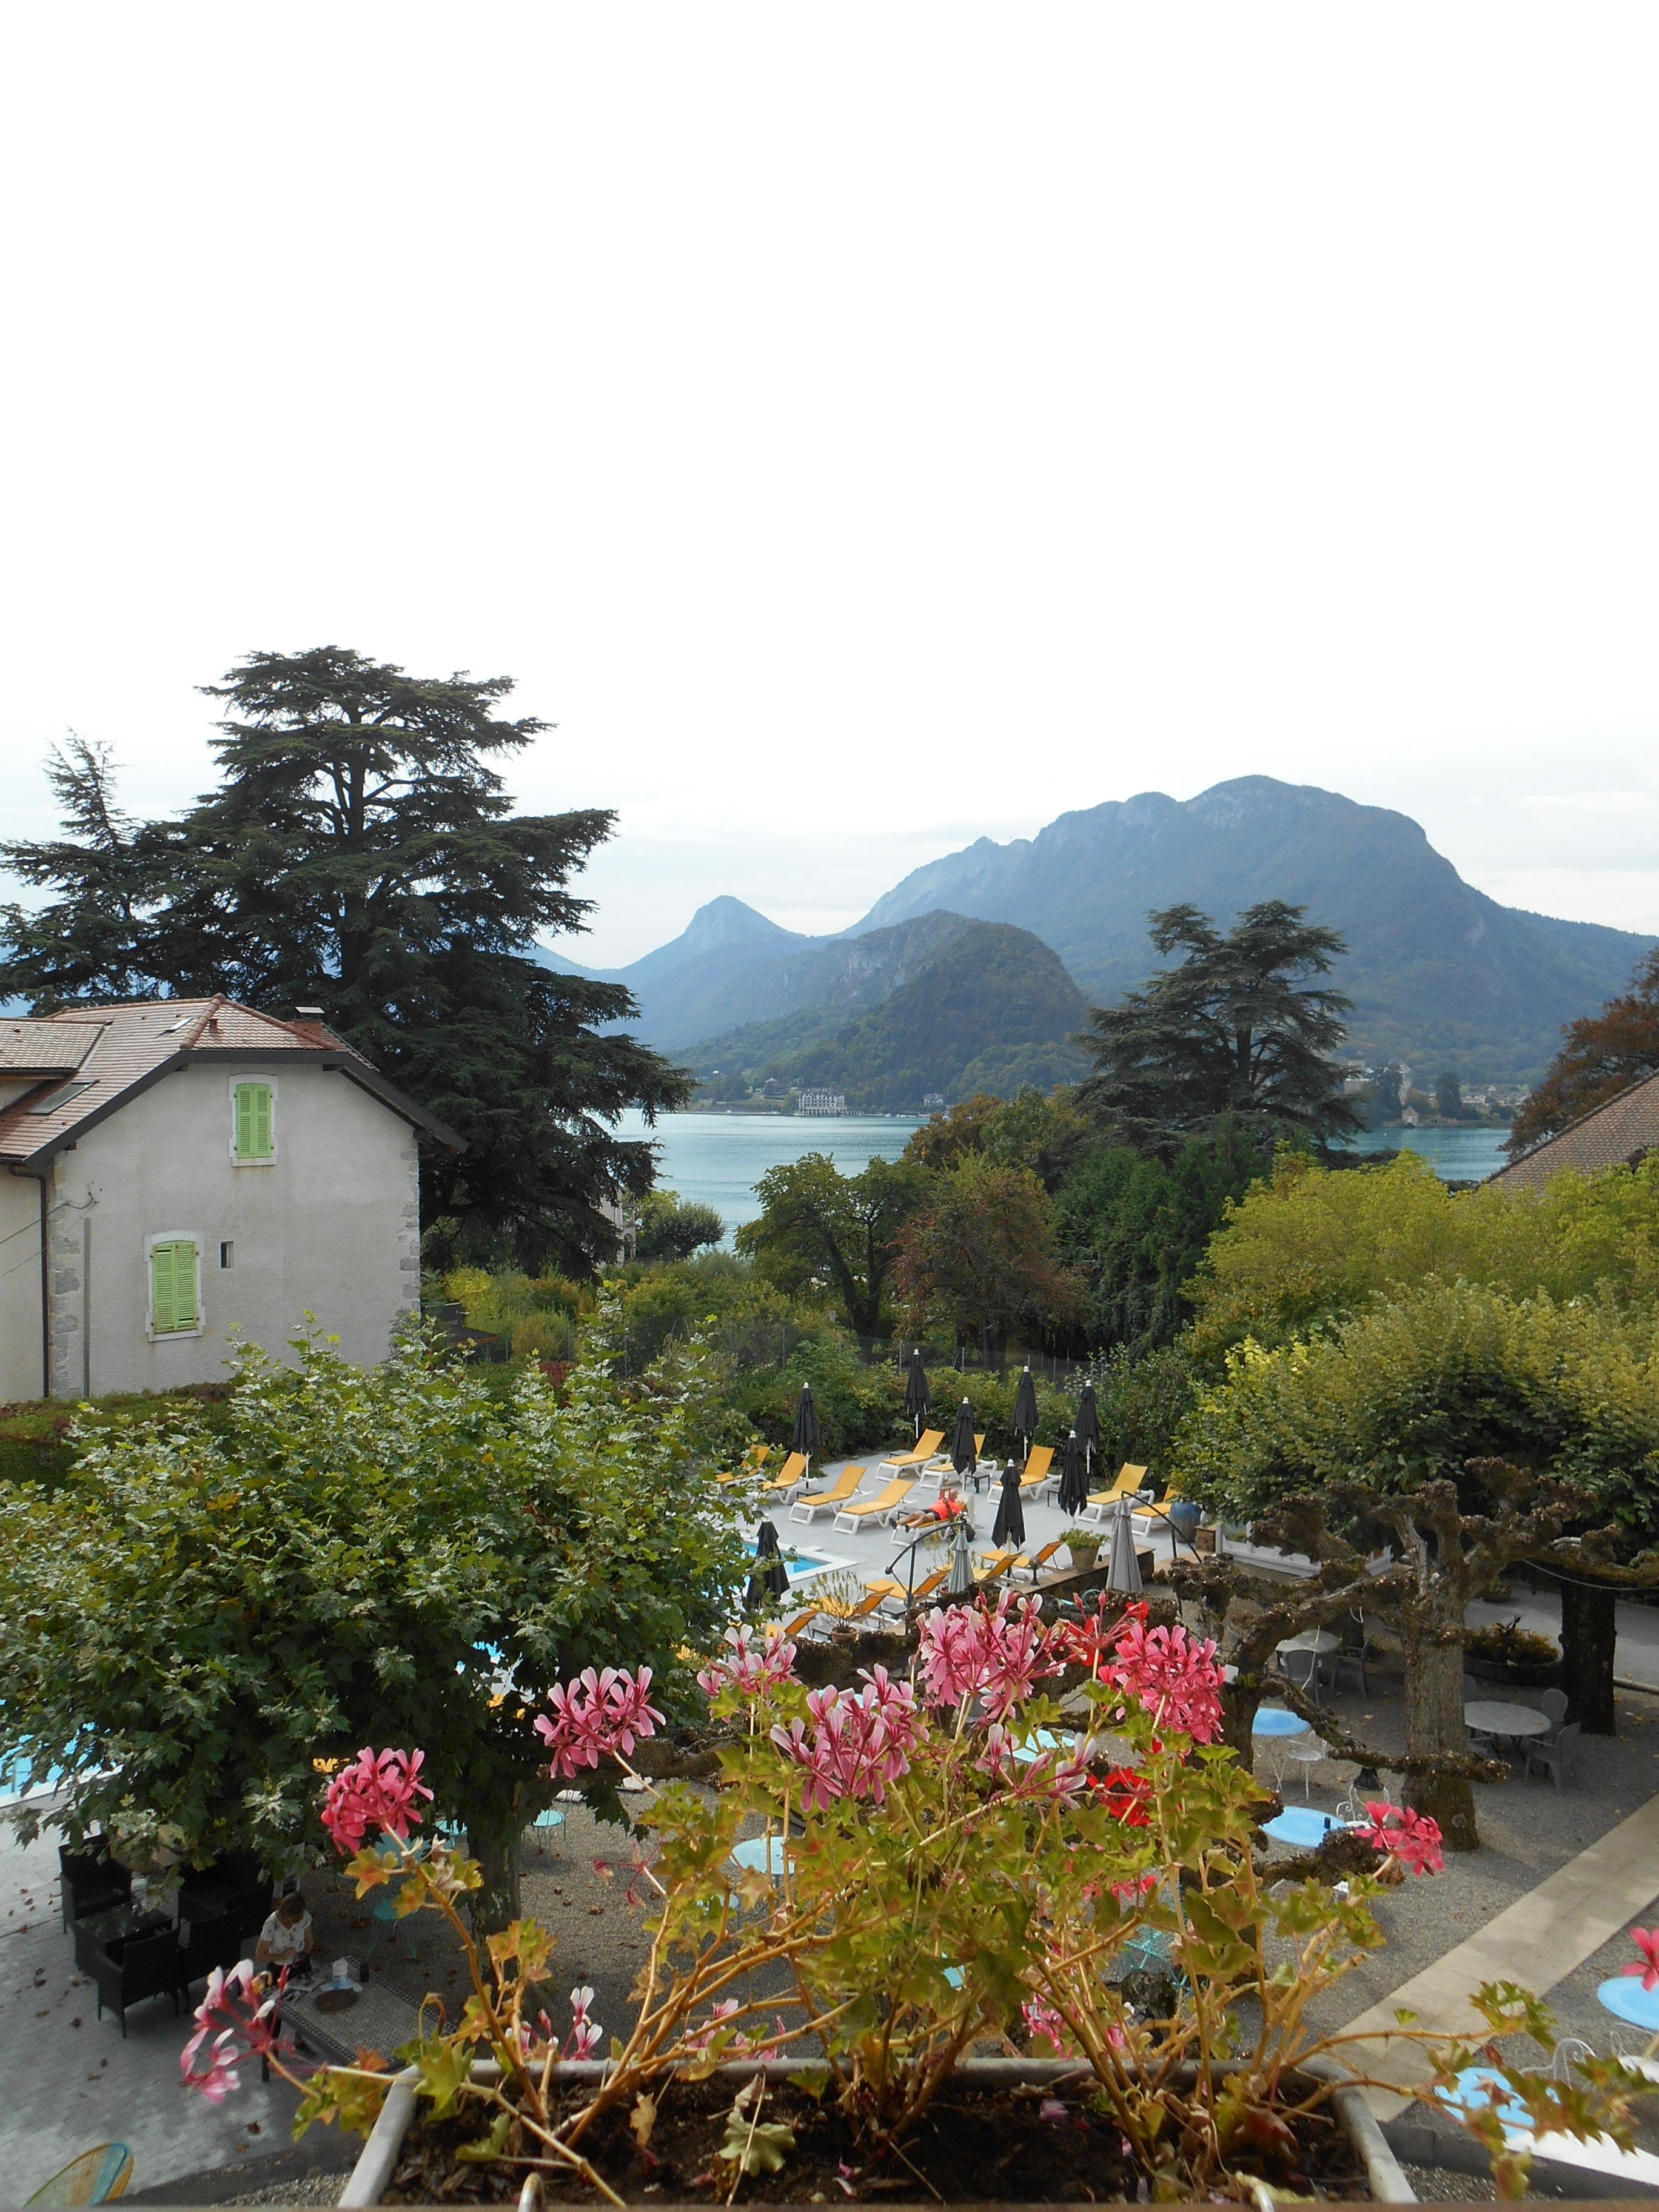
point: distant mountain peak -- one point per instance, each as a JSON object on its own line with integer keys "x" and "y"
{"x": 727, "y": 921}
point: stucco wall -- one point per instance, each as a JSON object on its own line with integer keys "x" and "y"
{"x": 331, "y": 1226}
{"x": 20, "y": 1286}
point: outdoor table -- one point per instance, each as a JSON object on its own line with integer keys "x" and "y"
{"x": 1274, "y": 1720}
{"x": 762, "y": 1854}
{"x": 378, "y": 2017}
{"x": 1625, "y": 1997}
{"x": 1316, "y": 1640}
{"x": 1488, "y": 1716}
{"x": 1302, "y": 1826}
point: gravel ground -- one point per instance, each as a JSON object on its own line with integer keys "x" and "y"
{"x": 310, "y": 2189}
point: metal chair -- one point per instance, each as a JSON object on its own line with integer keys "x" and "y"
{"x": 1307, "y": 1751}
{"x": 1557, "y": 1757}
{"x": 1354, "y": 1650}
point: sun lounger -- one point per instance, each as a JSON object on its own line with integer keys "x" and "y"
{"x": 927, "y": 1445}
{"x": 1161, "y": 1506}
{"x": 754, "y": 1459}
{"x": 994, "y": 1570}
{"x": 882, "y": 1507}
{"x": 1037, "y": 1475}
{"x": 789, "y": 1476}
{"x": 942, "y": 1464}
{"x": 1129, "y": 1479}
{"x": 866, "y": 1605}
{"x": 1023, "y": 1565}
{"x": 830, "y": 1500}
{"x": 892, "y": 1588}
{"x": 793, "y": 1628}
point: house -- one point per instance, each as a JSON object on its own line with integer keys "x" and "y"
{"x": 179, "y": 1172}
{"x": 1621, "y": 1133}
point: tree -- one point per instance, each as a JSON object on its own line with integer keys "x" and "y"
{"x": 1448, "y": 1095}
{"x": 817, "y": 1226}
{"x": 1600, "y": 1055}
{"x": 1307, "y": 1246}
{"x": 673, "y": 1228}
{"x": 978, "y": 1257}
{"x": 361, "y": 854}
{"x": 1238, "y": 1028}
{"x": 1137, "y": 1226}
{"x": 194, "y": 1617}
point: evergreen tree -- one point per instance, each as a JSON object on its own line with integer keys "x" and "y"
{"x": 361, "y": 854}
{"x": 1241, "y": 1027}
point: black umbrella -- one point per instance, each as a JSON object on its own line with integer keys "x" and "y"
{"x": 964, "y": 1453}
{"x": 1026, "y": 1413}
{"x": 1088, "y": 1424}
{"x": 918, "y": 1399}
{"x": 1010, "y": 1528}
{"x": 1073, "y": 1477}
{"x": 769, "y": 1577}
{"x": 804, "y": 1436}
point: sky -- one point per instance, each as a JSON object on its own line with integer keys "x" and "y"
{"x": 858, "y": 429}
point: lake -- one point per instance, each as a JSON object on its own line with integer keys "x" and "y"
{"x": 718, "y": 1159}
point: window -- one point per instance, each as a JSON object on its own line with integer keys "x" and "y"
{"x": 227, "y": 1253}
{"x": 174, "y": 1304}
{"x": 253, "y": 1123}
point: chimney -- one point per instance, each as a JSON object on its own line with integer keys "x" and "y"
{"x": 308, "y": 1021}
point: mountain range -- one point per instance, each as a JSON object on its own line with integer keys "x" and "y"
{"x": 1440, "y": 974}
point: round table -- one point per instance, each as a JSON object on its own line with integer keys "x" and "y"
{"x": 1625, "y": 1997}
{"x": 1488, "y": 1716}
{"x": 1319, "y": 1640}
{"x": 1274, "y": 1720}
{"x": 1302, "y": 1826}
{"x": 762, "y": 1854}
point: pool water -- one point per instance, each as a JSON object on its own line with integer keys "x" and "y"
{"x": 801, "y": 1566}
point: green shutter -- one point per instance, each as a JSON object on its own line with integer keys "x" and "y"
{"x": 253, "y": 1121}
{"x": 173, "y": 1287}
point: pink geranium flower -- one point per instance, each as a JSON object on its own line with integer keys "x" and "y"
{"x": 1413, "y": 1839}
{"x": 1646, "y": 1941}
{"x": 996, "y": 1656}
{"x": 752, "y": 1667}
{"x": 857, "y": 1743}
{"x": 585, "y": 2032}
{"x": 1171, "y": 1674}
{"x": 231, "y": 2025}
{"x": 378, "y": 1790}
{"x": 597, "y": 1716}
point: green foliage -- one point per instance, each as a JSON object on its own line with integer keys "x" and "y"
{"x": 1142, "y": 1403}
{"x": 672, "y": 1227}
{"x": 831, "y": 1233}
{"x": 1241, "y": 1026}
{"x": 360, "y": 852}
{"x": 1509, "y": 1644}
{"x": 1313, "y": 1245}
{"x": 198, "y": 1612}
{"x": 1599, "y": 1055}
{"x": 37, "y": 1435}
{"x": 1044, "y": 1135}
{"x": 1137, "y": 1226}
{"x": 978, "y": 1256}
{"x": 1407, "y": 1390}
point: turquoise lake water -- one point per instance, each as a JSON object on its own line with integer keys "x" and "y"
{"x": 719, "y": 1158}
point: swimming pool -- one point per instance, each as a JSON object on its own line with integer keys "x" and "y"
{"x": 801, "y": 1565}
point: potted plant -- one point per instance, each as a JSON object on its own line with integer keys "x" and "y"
{"x": 1503, "y": 1651}
{"x": 1083, "y": 1545}
{"x": 944, "y": 1863}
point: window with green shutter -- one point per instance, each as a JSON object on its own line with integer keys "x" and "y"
{"x": 252, "y": 1138}
{"x": 173, "y": 1287}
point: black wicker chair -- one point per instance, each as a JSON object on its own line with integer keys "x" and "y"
{"x": 133, "y": 1967}
{"x": 90, "y": 1881}
{"x": 205, "y": 1944}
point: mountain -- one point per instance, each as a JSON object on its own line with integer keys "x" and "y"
{"x": 940, "y": 1003}
{"x": 1440, "y": 974}
{"x": 691, "y": 986}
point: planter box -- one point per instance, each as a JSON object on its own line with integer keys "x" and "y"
{"x": 377, "y": 2162}
{"x": 1546, "y": 1675}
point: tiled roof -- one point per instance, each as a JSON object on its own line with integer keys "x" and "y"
{"x": 1617, "y": 1135}
{"x": 45, "y": 1047}
{"x": 111, "y": 1050}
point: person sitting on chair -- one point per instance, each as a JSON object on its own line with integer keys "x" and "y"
{"x": 288, "y": 1938}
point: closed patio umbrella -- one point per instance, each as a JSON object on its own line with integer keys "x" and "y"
{"x": 1026, "y": 1413}
{"x": 1010, "y": 1525}
{"x": 961, "y": 1558}
{"x": 1122, "y": 1567}
{"x": 769, "y": 1577}
{"x": 804, "y": 1436}
{"x": 918, "y": 1399}
{"x": 1088, "y": 1426}
{"x": 1073, "y": 1477}
{"x": 964, "y": 1455}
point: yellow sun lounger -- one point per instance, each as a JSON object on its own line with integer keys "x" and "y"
{"x": 1023, "y": 1565}
{"x": 789, "y": 1476}
{"x": 942, "y": 1464}
{"x": 883, "y": 1505}
{"x": 754, "y": 1459}
{"x": 1036, "y": 1475}
{"x": 830, "y": 1500}
{"x": 1129, "y": 1479}
{"x": 890, "y": 1588}
{"x": 927, "y": 1445}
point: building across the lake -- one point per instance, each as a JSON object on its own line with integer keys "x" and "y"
{"x": 180, "y": 1172}
{"x": 820, "y": 1102}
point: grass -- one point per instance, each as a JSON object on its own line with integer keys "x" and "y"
{"x": 34, "y": 1439}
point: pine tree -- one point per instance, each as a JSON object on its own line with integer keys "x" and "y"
{"x": 1240, "y": 1027}
{"x": 361, "y": 854}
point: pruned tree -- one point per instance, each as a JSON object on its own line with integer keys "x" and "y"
{"x": 1600, "y": 1055}
{"x": 816, "y": 1224}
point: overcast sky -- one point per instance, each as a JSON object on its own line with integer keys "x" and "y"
{"x": 860, "y": 429}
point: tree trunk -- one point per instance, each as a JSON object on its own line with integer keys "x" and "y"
{"x": 1588, "y": 1630}
{"x": 492, "y": 1838}
{"x": 1434, "y": 1727}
